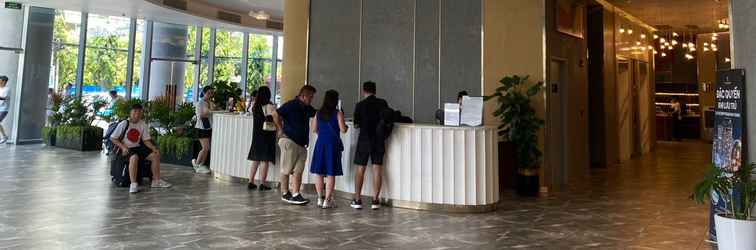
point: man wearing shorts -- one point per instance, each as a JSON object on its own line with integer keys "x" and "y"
{"x": 293, "y": 122}
{"x": 369, "y": 145}
{"x": 137, "y": 146}
{"x": 4, "y": 104}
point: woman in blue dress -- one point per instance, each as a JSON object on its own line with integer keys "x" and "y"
{"x": 326, "y": 159}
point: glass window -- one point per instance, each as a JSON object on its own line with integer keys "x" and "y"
{"x": 259, "y": 65}
{"x": 106, "y": 56}
{"x": 65, "y": 51}
{"x": 228, "y": 56}
{"x": 136, "y": 91}
{"x": 279, "y": 70}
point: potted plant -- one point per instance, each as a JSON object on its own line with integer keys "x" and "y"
{"x": 224, "y": 91}
{"x": 76, "y": 130}
{"x": 735, "y": 188}
{"x": 520, "y": 126}
{"x": 173, "y": 131}
{"x": 53, "y": 120}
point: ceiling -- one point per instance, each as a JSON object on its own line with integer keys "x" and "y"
{"x": 678, "y": 14}
{"x": 272, "y": 7}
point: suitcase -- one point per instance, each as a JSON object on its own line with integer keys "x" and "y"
{"x": 119, "y": 171}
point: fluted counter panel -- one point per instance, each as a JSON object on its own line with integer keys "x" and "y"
{"x": 425, "y": 165}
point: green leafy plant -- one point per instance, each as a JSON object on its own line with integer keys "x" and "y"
{"x": 734, "y": 186}
{"x": 519, "y": 122}
{"x": 47, "y": 132}
{"x": 223, "y": 91}
{"x": 173, "y": 144}
{"x": 160, "y": 111}
{"x": 77, "y": 112}
{"x": 122, "y": 108}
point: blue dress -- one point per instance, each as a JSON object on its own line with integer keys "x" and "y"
{"x": 326, "y": 158}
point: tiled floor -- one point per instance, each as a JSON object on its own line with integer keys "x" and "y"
{"x": 59, "y": 199}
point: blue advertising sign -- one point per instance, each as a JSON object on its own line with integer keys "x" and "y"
{"x": 729, "y": 142}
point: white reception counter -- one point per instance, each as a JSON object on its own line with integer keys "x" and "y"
{"x": 428, "y": 167}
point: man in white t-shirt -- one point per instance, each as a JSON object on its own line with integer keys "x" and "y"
{"x": 137, "y": 146}
{"x": 4, "y": 104}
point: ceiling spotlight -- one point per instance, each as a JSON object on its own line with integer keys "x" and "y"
{"x": 643, "y": 36}
{"x": 663, "y": 54}
{"x": 666, "y": 43}
{"x": 261, "y": 15}
{"x": 727, "y": 59}
{"x": 688, "y": 56}
{"x": 714, "y": 38}
{"x": 662, "y": 40}
{"x": 713, "y": 45}
{"x": 692, "y": 49}
{"x": 656, "y": 36}
{"x": 637, "y": 43}
{"x": 674, "y": 42}
{"x": 706, "y": 44}
{"x": 622, "y": 30}
{"x": 684, "y": 45}
{"x": 714, "y": 49}
{"x": 630, "y": 31}
{"x": 656, "y": 52}
{"x": 675, "y": 34}
{"x": 670, "y": 47}
{"x": 650, "y": 47}
{"x": 706, "y": 49}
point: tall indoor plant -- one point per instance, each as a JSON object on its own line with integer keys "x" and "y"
{"x": 520, "y": 126}
{"x": 76, "y": 130}
{"x": 735, "y": 187}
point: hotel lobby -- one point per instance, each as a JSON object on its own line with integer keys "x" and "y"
{"x": 510, "y": 124}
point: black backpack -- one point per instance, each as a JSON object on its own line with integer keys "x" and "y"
{"x": 108, "y": 133}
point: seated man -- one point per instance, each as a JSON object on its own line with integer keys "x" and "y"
{"x": 137, "y": 146}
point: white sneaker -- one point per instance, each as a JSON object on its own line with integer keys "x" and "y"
{"x": 194, "y": 164}
{"x": 133, "y": 188}
{"x": 202, "y": 170}
{"x": 321, "y": 201}
{"x": 3, "y": 140}
{"x": 160, "y": 183}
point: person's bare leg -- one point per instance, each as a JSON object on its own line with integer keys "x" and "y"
{"x": 377, "y": 181}
{"x": 359, "y": 178}
{"x": 253, "y": 171}
{"x": 264, "y": 172}
{"x": 296, "y": 183}
{"x": 330, "y": 184}
{"x": 202, "y": 155}
{"x": 133, "y": 166}
{"x": 154, "y": 159}
{"x": 319, "y": 185}
{"x": 2, "y": 131}
{"x": 284, "y": 183}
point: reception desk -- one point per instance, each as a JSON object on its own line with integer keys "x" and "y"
{"x": 427, "y": 167}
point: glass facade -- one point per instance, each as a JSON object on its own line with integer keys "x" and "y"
{"x": 65, "y": 52}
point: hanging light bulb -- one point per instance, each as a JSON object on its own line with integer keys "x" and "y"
{"x": 670, "y": 47}
{"x": 727, "y": 59}
{"x": 662, "y": 40}
{"x": 692, "y": 49}
{"x": 674, "y": 42}
{"x": 714, "y": 38}
{"x": 656, "y": 36}
{"x": 630, "y": 31}
{"x": 663, "y": 54}
{"x": 643, "y": 36}
{"x": 656, "y": 52}
{"x": 622, "y": 30}
{"x": 650, "y": 47}
{"x": 674, "y": 34}
{"x": 706, "y": 44}
{"x": 637, "y": 43}
{"x": 706, "y": 49}
{"x": 688, "y": 56}
{"x": 685, "y": 45}
{"x": 666, "y": 44}
{"x": 714, "y": 49}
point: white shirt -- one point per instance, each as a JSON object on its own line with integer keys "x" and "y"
{"x": 135, "y": 133}
{"x": 4, "y": 93}
{"x": 202, "y": 107}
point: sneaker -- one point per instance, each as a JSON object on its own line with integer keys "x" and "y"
{"x": 286, "y": 197}
{"x": 251, "y": 186}
{"x": 194, "y": 164}
{"x": 133, "y": 188}
{"x": 160, "y": 183}
{"x": 3, "y": 140}
{"x": 321, "y": 201}
{"x": 375, "y": 205}
{"x": 201, "y": 170}
{"x": 356, "y": 204}
{"x": 298, "y": 200}
{"x": 263, "y": 187}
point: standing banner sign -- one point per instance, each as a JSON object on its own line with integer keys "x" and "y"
{"x": 729, "y": 133}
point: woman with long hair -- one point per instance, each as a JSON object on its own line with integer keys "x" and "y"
{"x": 204, "y": 129}
{"x": 326, "y": 159}
{"x": 262, "y": 152}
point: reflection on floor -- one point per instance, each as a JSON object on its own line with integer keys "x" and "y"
{"x": 59, "y": 199}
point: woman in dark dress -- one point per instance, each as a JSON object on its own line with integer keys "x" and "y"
{"x": 326, "y": 157}
{"x": 262, "y": 153}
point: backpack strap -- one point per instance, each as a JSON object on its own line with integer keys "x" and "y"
{"x": 125, "y": 129}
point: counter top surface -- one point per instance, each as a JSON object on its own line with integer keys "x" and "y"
{"x": 410, "y": 125}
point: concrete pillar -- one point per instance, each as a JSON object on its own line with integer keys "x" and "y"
{"x": 13, "y": 25}
{"x": 296, "y": 16}
{"x": 169, "y": 41}
{"x": 743, "y": 32}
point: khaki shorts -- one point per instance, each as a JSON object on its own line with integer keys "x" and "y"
{"x": 293, "y": 157}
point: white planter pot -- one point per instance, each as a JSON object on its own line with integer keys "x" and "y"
{"x": 735, "y": 234}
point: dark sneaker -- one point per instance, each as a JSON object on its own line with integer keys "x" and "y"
{"x": 263, "y": 187}
{"x": 356, "y": 204}
{"x": 286, "y": 197}
{"x": 298, "y": 200}
{"x": 375, "y": 205}
{"x": 251, "y": 186}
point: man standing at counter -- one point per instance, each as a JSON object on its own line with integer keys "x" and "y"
{"x": 370, "y": 145}
{"x": 292, "y": 122}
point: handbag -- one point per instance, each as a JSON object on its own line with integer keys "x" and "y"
{"x": 268, "y": 110}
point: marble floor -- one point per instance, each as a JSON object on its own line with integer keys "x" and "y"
{"x": 59, "y": 199}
